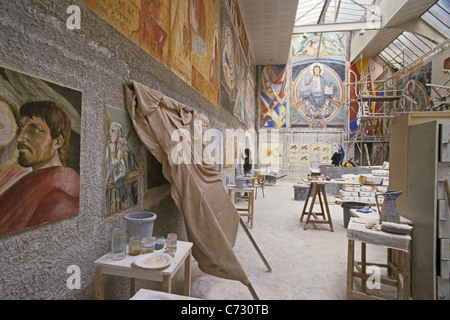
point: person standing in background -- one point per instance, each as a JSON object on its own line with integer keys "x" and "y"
{"x": 247, "y": 162}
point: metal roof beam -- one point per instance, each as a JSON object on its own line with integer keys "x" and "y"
{"x": 335, "y": 27}
{"x": 324, "y": 12}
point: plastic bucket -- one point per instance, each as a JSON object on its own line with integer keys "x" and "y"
{"x": 301, "y": 191}
{"x": 350, "y": 205}
{"x": 240, "y": 182}
{"x": 140, "y": 224}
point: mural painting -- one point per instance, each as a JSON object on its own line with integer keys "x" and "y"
{"x": 39, "y": 151}
{"x": 272, "y": 153}
{"x": 293, "y": 153}
{"x": 273, "y": 97}
{"x": 235, "y": 76}
{"x": 416, "y": 94}
{"x": 317, "y": 92}
{"x": 236, "y": 18}
{"x": 229, "y": 150}
{"x": 317, "y": 45}
{"x": 363, "y": 77}
{"x": 122, "y": 154}
{"x": 183, "y": 35}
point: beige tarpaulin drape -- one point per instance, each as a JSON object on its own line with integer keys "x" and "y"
{"x": 210, "y": 216}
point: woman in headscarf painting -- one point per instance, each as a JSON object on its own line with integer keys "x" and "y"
{"x": 121, "y": 171}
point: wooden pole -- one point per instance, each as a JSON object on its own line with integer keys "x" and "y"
{"x": 252, "y": 292}
{"x": 367, "y": 155}
{"x": 269, "y": 269}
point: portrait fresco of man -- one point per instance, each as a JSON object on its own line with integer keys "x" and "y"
{"x": 51, "y": 190}
{"x": 10, "y": 170}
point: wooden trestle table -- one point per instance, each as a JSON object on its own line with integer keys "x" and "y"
{"x": 317, "y": 188}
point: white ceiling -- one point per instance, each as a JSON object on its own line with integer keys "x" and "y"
{"x": 269, "y": 25}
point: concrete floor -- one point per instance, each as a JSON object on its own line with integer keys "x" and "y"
{"x": 306, "y": 264}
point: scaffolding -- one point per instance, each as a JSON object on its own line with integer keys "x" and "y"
{"x": 442, "y": 100}
{"x": 372, "y": 119}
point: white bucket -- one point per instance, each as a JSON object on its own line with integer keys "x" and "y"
{"x": 240, "y": 181}
{"x": 140, "y": 224}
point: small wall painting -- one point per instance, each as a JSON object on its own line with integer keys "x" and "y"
{"x": 122, "y": 169}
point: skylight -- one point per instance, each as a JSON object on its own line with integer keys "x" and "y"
{"x": 331, "y": 11}
{"x": 409, "y": 47}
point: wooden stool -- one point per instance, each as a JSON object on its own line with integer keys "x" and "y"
{"x": 398, "y": 261}
{"x": 246, "y": 212}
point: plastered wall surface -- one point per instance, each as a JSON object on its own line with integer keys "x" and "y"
{"x": 97, "y": 61}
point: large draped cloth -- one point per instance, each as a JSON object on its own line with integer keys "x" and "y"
{"x": 210, "y": 216}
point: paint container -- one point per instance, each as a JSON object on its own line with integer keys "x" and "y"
{"x": 148, "y": 245}
{"x": 140, "y": 224}
{"x": 134, "y": 246}
{"x": 159, "y": 242}
{"x": 171, "y": 244}
{"x": 118, "y": 244}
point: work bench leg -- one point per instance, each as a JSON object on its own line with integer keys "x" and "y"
{"x": 311, "y": 208}
{"x": 406, "y": 273}
{"x": 327, "y": 208}
{"x": 305, "y": 206}
{"x": 167, "y": 284}
{"x": 363, "y": 266}
{"x": 350, "y": 266}
{"x": 187, "y": 276}
{"x": 99, "y": 284}
{"x": 321, "y": 194}
{"x": 133, "y": 287}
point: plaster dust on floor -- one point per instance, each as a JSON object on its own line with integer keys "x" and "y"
{"x": 306, "y": 264}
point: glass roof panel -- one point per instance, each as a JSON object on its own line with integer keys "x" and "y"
{"x": 439, "y": 12}
{"x": 445, "y": 5}
{"x": 412, "y": 43}
{"x": 407, "y": 48}
{"x": 410, "y": 49}
{"x": 436, "y": 23}
{"x": 404, "y": 53}
{"x": 415, "y": 46}
{"x": 309, "y": 11}
{"x": 417, "y": 42}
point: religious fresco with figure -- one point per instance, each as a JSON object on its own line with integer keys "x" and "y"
{"x": 122, "y": 162}
{"x": 183, "y": 35}
{"x": 39, "y": 151}
{"x": 319, "y": 44}
{"x": 317, "y": 92}
{"x": 273, "y": 97}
